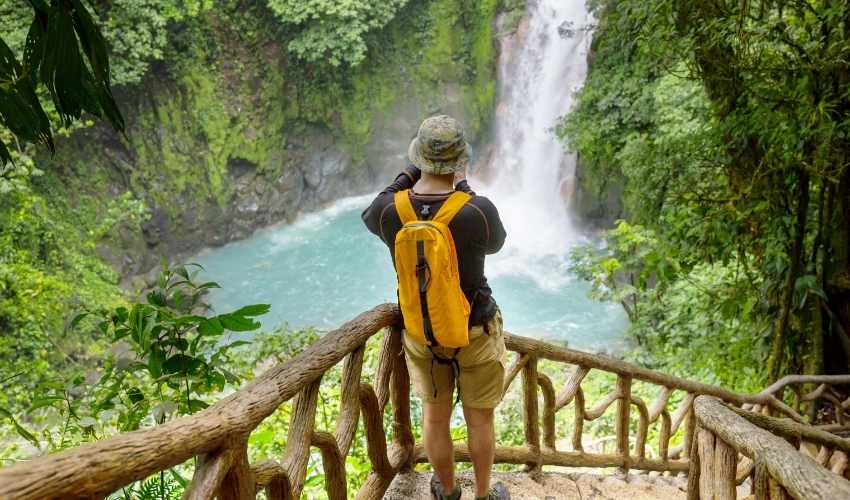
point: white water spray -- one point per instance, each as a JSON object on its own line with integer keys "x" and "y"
{"x": 532, "y": 176}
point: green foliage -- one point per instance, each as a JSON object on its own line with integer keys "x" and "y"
{"x": 182, "y": 351}
{"x": 66, "y": 52}
{"x": 167, "y": 356}
{"x": 138, "y": 35}
{"x": 333, "y": 31}
{"x": 704, "y": 321}
{"x": 48, "y": 268}
{"x": 724, "y": 125}
{"x": 159, "y": 487}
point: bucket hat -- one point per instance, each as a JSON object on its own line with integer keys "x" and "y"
{"x": 439, "y": 147}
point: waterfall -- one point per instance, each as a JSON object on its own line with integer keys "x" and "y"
{"x": 530, "y": 175}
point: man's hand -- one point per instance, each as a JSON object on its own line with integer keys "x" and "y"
{"x": 413, "y": 172}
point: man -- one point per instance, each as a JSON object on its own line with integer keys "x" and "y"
{"x": 439, "y": 155}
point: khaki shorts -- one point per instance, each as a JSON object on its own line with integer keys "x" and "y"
{"x": 481, "y": 368}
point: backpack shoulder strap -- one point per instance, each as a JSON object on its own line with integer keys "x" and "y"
{"x": 404, "y": 207}
{"x": 452, "y": 206}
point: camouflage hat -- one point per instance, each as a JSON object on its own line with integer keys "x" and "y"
{"x": 439, "y": 147}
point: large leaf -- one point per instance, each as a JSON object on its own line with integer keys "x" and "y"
{"x": 182, "y": 363}
{"x": 211, "y": 326}
{"x": 155, "y": 362}
{"x": 19, "y": 428}
{"x": 92, "y": 42}
{"x": 252, "y": 310}
{"x": 20, "y": 109}
{"x": 238, "y": 323}
{"x": 62, "y": 69}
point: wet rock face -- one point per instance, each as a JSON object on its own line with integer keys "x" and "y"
{"x": 312, "y": 171}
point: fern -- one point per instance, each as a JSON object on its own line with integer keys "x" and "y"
{"x": 158, "y": 487}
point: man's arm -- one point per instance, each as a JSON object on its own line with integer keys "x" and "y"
{"x": 496, "y": 231}
{"x": 372, "y": 215}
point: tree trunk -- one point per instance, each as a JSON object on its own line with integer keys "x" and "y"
{"x": 814, "y": 364}
{"x": 774, "y": 365}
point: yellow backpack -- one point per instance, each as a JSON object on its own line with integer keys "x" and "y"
{"x": 435, "y": 310}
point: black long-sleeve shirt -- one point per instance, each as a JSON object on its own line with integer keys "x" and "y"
{"x": 476, "y": 229}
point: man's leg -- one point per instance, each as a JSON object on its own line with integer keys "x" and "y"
{"x": 438, "y": 441}
{"x": 482, "y": 436}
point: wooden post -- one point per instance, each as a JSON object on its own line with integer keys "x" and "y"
{"x": 690, "y": 425}
{"x": 578, "y": 422}
{"x": 333, "y": 464}
{"x": 209, "y": 475}
{"x": 376, "y": 446}
{"x": 777, "y": 492}
{"x": 238, "y": 484}
{"x": 839, "y": 462}
{"x": 693, "y": 473}
{"x": 400, "y": 395}
{"x": 530, "y": 413}
{"x": 349, "y": 413}
{"x": 643, "y": 427}
{"x": 725, "y": 465}
{"x": 664, "y": 436}
{"x": 706, "y": 462}
{"x": 513, "y": 370}
{"x": 390, "y": 347}
{"x": 760, "y": 481}
{"x": 279, "y": 488}
{"x": 301, "y": 424}
{"x": 548, "y": 410}
{"x": 621, "y": 426}
{"x": 572, "y": 386}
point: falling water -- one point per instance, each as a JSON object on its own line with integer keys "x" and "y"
{"x": 531, "y": 174}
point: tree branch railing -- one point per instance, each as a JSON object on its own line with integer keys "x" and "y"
{"x": 218, "y": 435}
{"x": 734, "y": 445}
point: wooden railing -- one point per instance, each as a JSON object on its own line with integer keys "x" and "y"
{"x": 734, "y": 445}
{"x": 218, "y": 435}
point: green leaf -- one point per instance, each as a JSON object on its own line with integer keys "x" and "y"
{"x": 252, "y": 310}
{"x": 180, "y": 343}
{"x": 182, "y": 363}
{"x": 19, "y": 428}
{"x": 235, "y": 344}
{"x": 182, "y": 481}
{"x": 156, "y": 298}
{"x": 76, "y": 321}
{"x": 196, "y": 405}
{"x": 44, "y": 401}
{"x": 155, "y": 362}
{"x": 211, "y": 326}
{"x": 135, "y": 395}
{"x": 238, "y": 323}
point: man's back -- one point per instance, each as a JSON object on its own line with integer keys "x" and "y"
{"x": 476, "y": 229}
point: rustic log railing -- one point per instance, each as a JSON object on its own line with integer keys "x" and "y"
{"x": 218, "y": 435}
{"x": 734, "y": 445}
